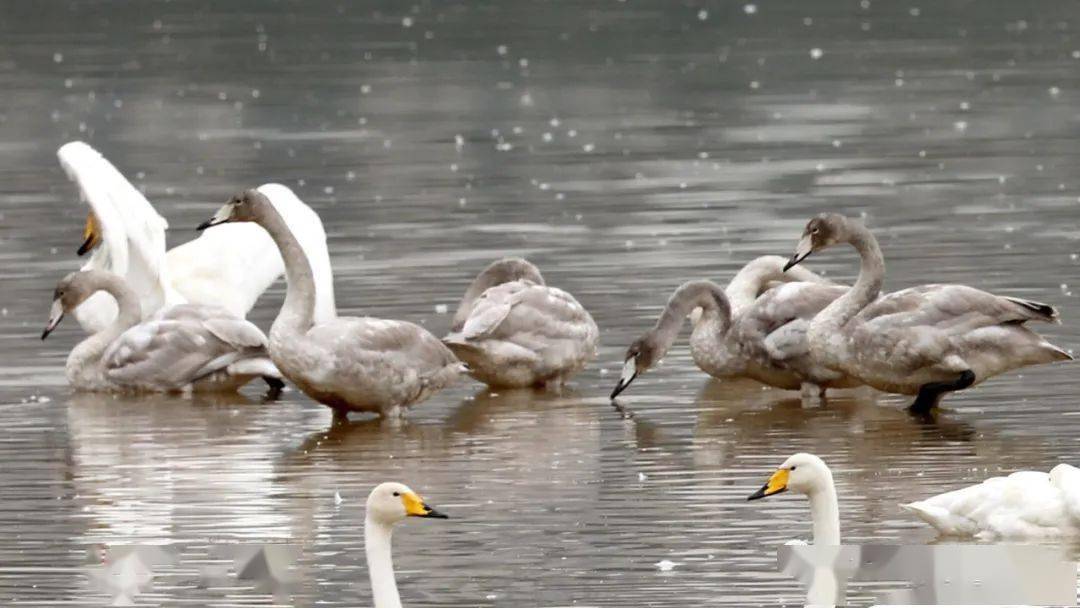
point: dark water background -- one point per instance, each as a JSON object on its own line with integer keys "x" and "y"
{"x": 622, "y": 146}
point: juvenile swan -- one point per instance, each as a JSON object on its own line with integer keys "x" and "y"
{"x": 512, "y": 330}
{"x": 923, "y": 341}
{"x": 185, "y": 347}
{"x": 763, "y": 338}
{"x": 1024, "y": 505}
{"x": 388, "y": 504}
{"x": 347, "y": 363}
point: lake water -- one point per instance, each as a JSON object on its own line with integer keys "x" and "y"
{"x": 622, "y": 146}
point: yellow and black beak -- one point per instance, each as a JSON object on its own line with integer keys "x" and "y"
{"x": 416, "y": 507}
{"x": 776, "y": 484}
{"x": 91, "y": 235}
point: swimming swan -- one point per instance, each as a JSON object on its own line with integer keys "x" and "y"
{"x": 750, "y": 330}
{"x": 512, "y": 330}
{"x": 1024, "y": 505}
{"x": 347, "y": 363}
{"x": 184, "y": 347}
{"x": 925, "y": 340}
{"x": 229, "y": 268}
{"x": 388, "y": 504}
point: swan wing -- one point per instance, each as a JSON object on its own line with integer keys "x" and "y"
{"x": 952, "y": 308}
{"x": 132, "y": 234}
{"x": 491, "y": 309}
{"x": 781, "y": 317}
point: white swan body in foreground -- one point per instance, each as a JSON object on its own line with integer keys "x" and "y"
{"x": 347, "y": 363}
{"x": 807, "y": 474}
{"x": 184, "y": 347}
{"x": 230, "y": 268}
{"x": 754, "y": 329}
{"x": 512, "y": 330}
{"x": 388, "y": 504}
{"x": 1024, "y": 505}
{"x": 924, "y": 341}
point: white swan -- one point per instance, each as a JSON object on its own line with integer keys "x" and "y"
{"x": 513, "y": 330}
{"x": 754, "y": 329}
{"x": 1024, "y": 505}
{"x": 923, "y": 341}
{"x": 808, "y": 475}
{"x": 230, "y": 268}
{"x": 388, "y": 504}
{"x": 347, "y": 363}
{"x": 184, "y": 347}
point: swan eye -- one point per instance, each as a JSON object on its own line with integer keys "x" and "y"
{"x": 397, "y": 493}
{"x": 793, "y": 467}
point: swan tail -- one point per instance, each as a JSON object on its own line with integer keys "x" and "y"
{"x": 937, "y": 517}
{"x": 1056, "y": 353}
{"x": 1036, "y": 311}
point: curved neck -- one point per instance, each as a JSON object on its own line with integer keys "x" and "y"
{"x": 499, "y": 272}
{"x": 129, "y": 314}
{"x": 871, "y": 277}
{"x": 298, "y": 311}
{"x": 825, "y": 514}
{"x": 753, "y": 279}
{"x": 380, "y": 564}
{"x": 707, "y": 296}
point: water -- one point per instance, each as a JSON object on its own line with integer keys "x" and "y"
{"x": 624, "y": 147}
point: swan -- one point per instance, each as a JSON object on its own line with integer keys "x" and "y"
{"x": 513, "y": 330}
{"x": 924, "y": 341}
{"x": 229, "y": 268}
{"x": 347, "y": 363}
{"x": 187, "y": 347}
{"x": 807, "y": 474}
{"x": 1023, "y": 505}
{"x": 388, "y": 504}
{"x": 755, "y": 329}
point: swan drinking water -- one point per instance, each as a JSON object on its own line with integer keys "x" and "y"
{"x": 388, "y": 504}
{"x": 347, "y": 363}
{"x": 185, "y": 347}
{"x": 924, "y": 341}
{"x": 513, "y": 330}
{"x": 754, "y": 329}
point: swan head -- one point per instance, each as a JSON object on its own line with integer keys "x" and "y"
{"x": 823, "y": 231}
{"x": 801, "y": 473}
{"x": 242, "y": 207}
{"x": 391, "y": 502}
{"x": 70, "y": 292}
{"x": 642, "y": 354}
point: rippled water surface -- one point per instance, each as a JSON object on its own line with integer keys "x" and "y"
{"x": 622, "y": 146}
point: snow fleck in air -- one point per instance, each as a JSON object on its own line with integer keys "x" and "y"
{"x": 703, "y": 15}
{"x": 58, "y": 57}
{"x": 1054, "y": 91}
{"x": 865, "y": 4}
{"x": 365, "y": 89}
{"x": 899, "y": 82}
{"x": 459, "y": 141}
{"x": 502, "y": 49}
{"x": 407, "y": 22}
{"x": 546, "y": 136}
{"x": 527, "y": 100}
{"x": 960, "y": 125}
{"x": 441, "y": 309}
{"x": 571, "y": 133}
{"x": 1076, "y": 54}
{"x": 755, "y": 84}
{"x": 808, "y": 21}
{"x": 915, "y": 11}
{"x": 965, "y": 106}
{"x": 749, "y": 9}
{"x": 588, "y": 147}
{"x": 67, "y": 83}
{"x": 665, "y": 565}
{"x": 350, "y": 176}
{"x": 816, "y": 53}
{"x": 523, "y": 62}
{"x": 642, "y": 476}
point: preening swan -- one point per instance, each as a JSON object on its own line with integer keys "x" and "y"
{"x": 388, "y": 504}
{"x": 925, "y": 340}
{"x": 1024, "y": 505}
{"x": 750, "y": 330}
{"x": 184, "y": 347}
{"x": 513, "y": 330}
{"x": 230, "y": 268}
{"x": 347, "y": 363}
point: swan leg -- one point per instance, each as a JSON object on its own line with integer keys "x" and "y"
{"x": 274, "y": 386}
{"x": 339, "y": 416}
{"x": 811, "y": 395}
{"x": 930, "y": 394}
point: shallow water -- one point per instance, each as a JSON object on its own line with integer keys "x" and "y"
{"x": 624, "y": 147}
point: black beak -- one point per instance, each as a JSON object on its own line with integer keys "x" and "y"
{"x": 622, "y": 386}
{"x": 761, "y": 493}
{"x": 207, "y": 224}
{"x": 795, "y": 259}
{"x": 45, "y": 334}
{"x": 87, "y": 244}
{"x": 432, "y": 513}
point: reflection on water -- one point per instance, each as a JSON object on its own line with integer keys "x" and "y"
{"x": 624, "y": 148}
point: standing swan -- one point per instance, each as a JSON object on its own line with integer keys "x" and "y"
{"x": 347, "y": 363}
{"x": 186, "y": 347}
{"x": 388, "y": 504}
{"x": 926, "y": 340}
{"x": 750, "y": 330}
{"x": 512, "y": 330}
{"x": 229, "y": 268}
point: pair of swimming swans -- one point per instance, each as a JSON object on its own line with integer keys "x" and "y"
{"x": 170, "y": 321}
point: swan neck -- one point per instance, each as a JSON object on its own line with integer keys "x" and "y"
{"x": 825, "y": 514}
{"x": 299, "y": 307}
{"x": 380, "y": 564}
{"x": 707, "y": 296}
{"x": 129, "y": 314}
{"x": 871, "y": 277}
